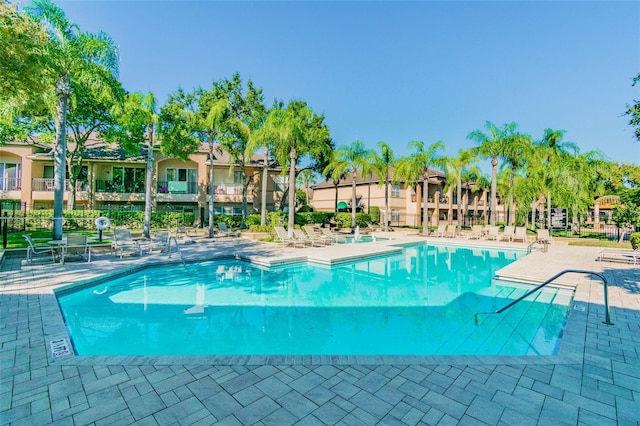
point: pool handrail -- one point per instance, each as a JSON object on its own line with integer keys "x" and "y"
{"x": 607, "y": 319}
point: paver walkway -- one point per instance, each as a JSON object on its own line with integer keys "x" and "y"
{"x": 595, "y": 380}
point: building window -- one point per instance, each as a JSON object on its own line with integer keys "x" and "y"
{"x": 127, "y": 179}
{"x": 395, "y": 190}
{"x": 181, "y": 181}
{"x": 282, "y": 182}
{"x": 237, "y": 178}
{"x": 395, "y": 215}
{"x": 10, "y": 174}
{"x": 228, "y": 210}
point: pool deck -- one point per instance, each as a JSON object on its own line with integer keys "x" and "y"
{"x": 595, "y": 378}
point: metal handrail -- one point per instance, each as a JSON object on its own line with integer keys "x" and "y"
{"x": 607, "y": 319}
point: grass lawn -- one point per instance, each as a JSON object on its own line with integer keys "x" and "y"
{"x": 16, "y": 241}
{"x": 600, "y": 243}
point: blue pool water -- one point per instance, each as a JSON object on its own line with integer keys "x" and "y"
{"x": 418, "y": 302}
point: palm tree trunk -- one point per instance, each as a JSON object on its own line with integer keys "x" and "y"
{"x": 148, "y": 184}
{"x": 211, "y": 189}
{"x": 549, "y": 211}
{"x": 265, "y": 176}
{"x": 60, "y": 155}
{"x": 293, "y": 155}
{"x": 494, "y": 187}
{"x": 425, "y": 203}
{"x": 386, "y": 203}
{"x": 353, "y": 202}
{"x": 459, "y": 200}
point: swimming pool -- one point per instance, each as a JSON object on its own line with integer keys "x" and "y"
{"x": 418, "y": 302}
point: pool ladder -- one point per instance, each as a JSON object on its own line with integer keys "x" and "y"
{"x": 175, "y": 242}
{"x": 607, "y": 319}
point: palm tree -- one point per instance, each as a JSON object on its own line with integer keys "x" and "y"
{"x": 74, "y": 56}
{"x": 516, "y": 151}
{"x": 383, "y": 165}
{"x": 415, "y": 166}
{"x": 140, "y": 120}
{"x": 307, "y": 177}
{"x": 492, "y": 145}
{"x": 555, "y": 155}
{"x": 459, "y": 168}
{"x": 351, "y": 159}
{"x": 295, "y": 132}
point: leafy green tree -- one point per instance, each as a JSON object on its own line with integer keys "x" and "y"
{"x": 75, "y": 57}
{"x": 415, "y": 166}
{"x": 352, "y": 159}
{"x": 634, "y": 112}
{"x": 139, "y": 120}
{"x": 459, "y": 168}
{"x": 383, "y": 164}
{"x": 295, "y": 132}
{"x": 25, "y": 74}
{"x": 517, "y": 150}
{"x": 493, "y": 145}
{"x": 306, "y": 178}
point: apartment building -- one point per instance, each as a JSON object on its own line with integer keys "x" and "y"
{"x": 111, "y": 179}
{"x": 405, "y": 202}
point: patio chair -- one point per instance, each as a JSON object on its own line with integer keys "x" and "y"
{"x": 477, "y": 232}
{"x": 299, "y": 235}
{"x": 451, "y": 231}
{"x": 520, "y": 234}
{"x": 621, "y": 255}
{"x": 225, "y": 231}
{"x": 440, "y": 232}
{"x": 37, "y": 247}
{"x": 337, "y": 238}
{"x": 508, "y": 233}
{"x": 314, "y": 235}
{"x": 123, "y": 243}
{"x": 75, "y": 245}
{"x": 283, "y": 237}
{"x": 159, "y": 241}
{"x": 543, "y": 235}
{"x": 493, "y": 233}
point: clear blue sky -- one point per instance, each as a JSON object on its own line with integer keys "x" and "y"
{"x": 397, "y": 71}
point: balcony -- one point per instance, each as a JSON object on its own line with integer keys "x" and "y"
{"x": 119, "y": 188}
{"x": 9, "y": 184}
{"x": 177, "y": 187}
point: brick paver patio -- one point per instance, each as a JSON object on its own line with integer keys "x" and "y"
{"x": 594, "y": 380}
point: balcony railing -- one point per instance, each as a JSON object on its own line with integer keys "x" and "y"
{"x": 229, "y": 188}
{"x": 177, "y": 187}
{"x": 119, "y": 187}
{"x": 47, "y": 185}
{"x": 9, "y": 184}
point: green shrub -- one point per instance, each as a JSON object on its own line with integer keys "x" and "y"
{"x": 635, "y": 240}
{"x": 261, "y": 228}
{"x": 252, "y": 219}
{"x": 343, "y": 220}
{"x": 312, "y": 217}
{"x": 374, "y": 212}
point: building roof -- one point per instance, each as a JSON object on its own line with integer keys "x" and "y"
{"x": 435, "y": 177}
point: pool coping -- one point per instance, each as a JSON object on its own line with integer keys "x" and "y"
{"x": 571, "y": 348}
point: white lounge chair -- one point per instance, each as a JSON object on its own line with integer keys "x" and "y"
{"x": 508, "y": 233}
{"x": 226, "y": 232}
{"x": 311, "y": 233}
{"x": 627, "y": 256}
{"x": 159, "y": 241}
{"x": 451, "y": 231}
{"x": 440, "y": 232}
{"x": 520, "y": 234}
{"x": 477, "y": 232}
{"x": 493, "y": 233}
{"x": 282, "y": 236}
{"x": 334, "y": 237}
{"x": 303, "y": 238}
{"x": 123, "y": 243}
{"x": 543, "y": 235}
